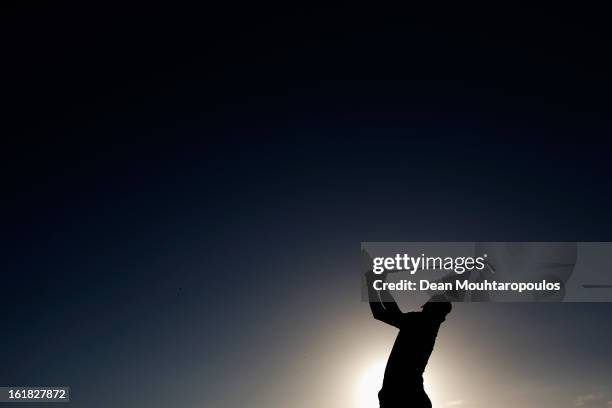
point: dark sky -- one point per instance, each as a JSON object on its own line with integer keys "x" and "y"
{"x": 185, "y": 190}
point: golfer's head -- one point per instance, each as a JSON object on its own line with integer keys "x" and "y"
{"x": 438, "y": 304}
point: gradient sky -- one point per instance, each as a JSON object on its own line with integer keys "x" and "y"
{"x": 186, "y": 192}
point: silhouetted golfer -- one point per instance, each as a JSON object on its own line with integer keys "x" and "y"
{"x": 403, "y": 382}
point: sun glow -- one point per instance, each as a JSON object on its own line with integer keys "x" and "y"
{"x": 369, "y": 385}
{"x": 430, "y": 390}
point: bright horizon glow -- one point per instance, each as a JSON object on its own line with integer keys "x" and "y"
{"x": 371, "y": 381}
{"x": 369, "y": 384}
{"x": 430, "y": 390}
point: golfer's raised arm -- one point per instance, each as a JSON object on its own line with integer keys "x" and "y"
{"x": 382, "y": 304}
